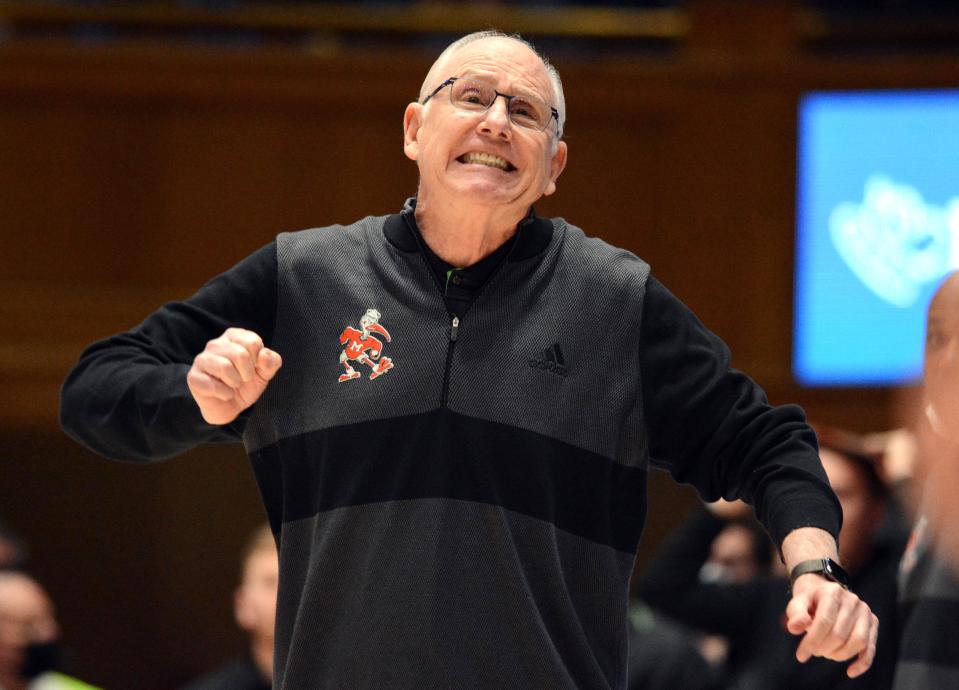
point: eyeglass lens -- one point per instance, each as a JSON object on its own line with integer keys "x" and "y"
{"x": 525, "y": 110}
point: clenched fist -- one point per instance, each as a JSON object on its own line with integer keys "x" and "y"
{"x": 231, "y": 374}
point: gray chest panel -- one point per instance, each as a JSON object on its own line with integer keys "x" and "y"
{"x": 551, "y": 345}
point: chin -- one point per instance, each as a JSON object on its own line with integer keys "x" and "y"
{"x": 486, "y": 193}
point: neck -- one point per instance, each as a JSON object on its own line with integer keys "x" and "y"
{"x": 463, "y": 235}
{"x": 261, "y": 649}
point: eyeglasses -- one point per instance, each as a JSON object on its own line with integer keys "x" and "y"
{"x": 525, "y": 110}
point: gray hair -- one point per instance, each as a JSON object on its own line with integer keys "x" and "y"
{"x": 493, "y": 33}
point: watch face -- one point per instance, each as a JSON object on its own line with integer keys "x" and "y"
{"x": 835, "y": 572}
{"x": 826, "y": 567}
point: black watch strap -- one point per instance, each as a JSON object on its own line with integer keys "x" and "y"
{"x": 826, "y": 567}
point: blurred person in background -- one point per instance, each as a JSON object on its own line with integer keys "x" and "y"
{"x": 681, "y": 582}
{"x": 929, "y": 572}
{"x": 254, "y": 607}
{"x": 30, "y": 646}
{"x": 742, "y": 552}
{"x": 662, "y": 655}
{"x": 667, "y": 654}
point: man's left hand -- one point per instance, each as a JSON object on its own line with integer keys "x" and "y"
{"x": 834, "y": 622}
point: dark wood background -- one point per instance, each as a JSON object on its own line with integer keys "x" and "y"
{"x": 131, "y": 170}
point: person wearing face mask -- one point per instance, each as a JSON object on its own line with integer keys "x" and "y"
{"x": 451, "y": 412}
{"x": 698, "y": 578}
{"x": 30, "y": 652}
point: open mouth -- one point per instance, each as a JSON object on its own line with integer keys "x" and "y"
{"x": 487, "y": 159}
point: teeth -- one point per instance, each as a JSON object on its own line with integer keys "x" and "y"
{"x": 486, "y": 159}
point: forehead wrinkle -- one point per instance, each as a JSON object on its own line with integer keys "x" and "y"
{"x": 518, "y": 80}
{"x": 504, "y": 49}
{"x": 943, "y": 309}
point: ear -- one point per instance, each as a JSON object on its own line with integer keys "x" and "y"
{"x": 412, "y": 120}
{"x": 557, "y": 163}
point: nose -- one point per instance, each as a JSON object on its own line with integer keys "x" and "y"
{"x": 496, "y": 120}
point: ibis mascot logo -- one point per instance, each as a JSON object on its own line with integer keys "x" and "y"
{"x": 361, "y": 347}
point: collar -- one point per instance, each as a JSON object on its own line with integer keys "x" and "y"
{"x": 532, "y": 237}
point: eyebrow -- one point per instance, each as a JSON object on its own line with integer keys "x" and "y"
{"x": 490, "y": 78}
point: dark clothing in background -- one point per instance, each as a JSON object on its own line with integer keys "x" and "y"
{"x": 241, "y": 674}
{"x": 929, "y": 597}
{"x": 752, "y": 615}
{"x": 662, "y": 657}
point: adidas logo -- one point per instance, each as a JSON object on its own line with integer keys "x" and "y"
{"x": 551, "y": 359}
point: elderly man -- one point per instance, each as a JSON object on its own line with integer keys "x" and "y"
{"x": 468, "y": 517}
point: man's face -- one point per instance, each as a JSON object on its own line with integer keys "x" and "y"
{"x": 732, "y": 551}
{"x": 939, "y": 460}
{"x": 255, "y": 600}
{"x": 861, "y": 510}
{"x": 438, "y": 135}
{"x": 941, "y": 367}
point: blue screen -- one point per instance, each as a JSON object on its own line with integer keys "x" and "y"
{"x": 877, "y": 229}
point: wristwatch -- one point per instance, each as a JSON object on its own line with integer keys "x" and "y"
{"x": 826, "y": 567}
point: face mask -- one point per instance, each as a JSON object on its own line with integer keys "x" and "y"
{"x": 714, "y": 573}
{"x": 41, "y": 657}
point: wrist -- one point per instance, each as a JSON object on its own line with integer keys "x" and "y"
{"x": 825, "y": 568}
{"x": 805, "y": 543}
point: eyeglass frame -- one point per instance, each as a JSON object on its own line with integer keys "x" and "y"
{"x": 553, "y": 111}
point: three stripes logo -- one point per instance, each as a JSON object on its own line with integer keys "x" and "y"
{"x": 551, "y": 359}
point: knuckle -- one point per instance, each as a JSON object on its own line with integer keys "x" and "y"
{"x": 223, "y": 368}
{"x": 215, "y": 345}
{"x": 238, "y": 353}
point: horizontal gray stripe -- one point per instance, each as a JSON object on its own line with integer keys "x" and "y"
{"x": 916, "y": 676}
{"x": 440, "y": 593}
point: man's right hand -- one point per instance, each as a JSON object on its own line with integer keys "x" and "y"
{"x": 231, "y": 374}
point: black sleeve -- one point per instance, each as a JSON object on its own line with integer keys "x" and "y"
{"x": 670, "y": 582}
{"x": 711, "y": 426}
{"x": 127, "y": 397}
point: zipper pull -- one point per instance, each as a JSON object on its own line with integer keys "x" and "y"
{"x": 456, "y": 326}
